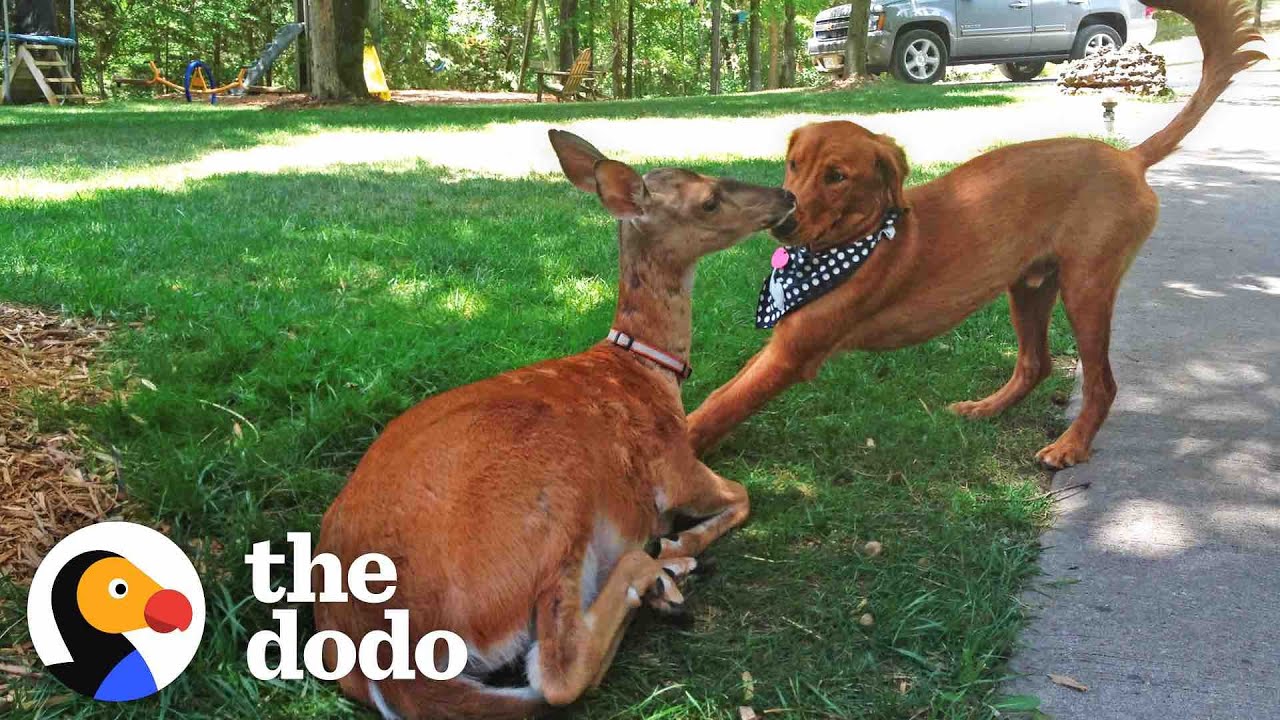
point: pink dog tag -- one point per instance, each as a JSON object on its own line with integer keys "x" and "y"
{"x": 780, "y": 258}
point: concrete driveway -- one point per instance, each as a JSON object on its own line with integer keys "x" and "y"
{"x": 1162, "y": 587}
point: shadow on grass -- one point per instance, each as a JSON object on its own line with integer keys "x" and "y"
{"x": 74, "y": 144}
{"x": 346, "y": 297}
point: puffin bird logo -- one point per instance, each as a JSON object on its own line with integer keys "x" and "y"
{"x": 97, "y": 597}
{"x": 106, "y": 627}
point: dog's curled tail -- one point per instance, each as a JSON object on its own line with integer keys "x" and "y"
{"x": 1222, "y": 26}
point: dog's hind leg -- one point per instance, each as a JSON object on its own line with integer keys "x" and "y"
{"x": 1030, "y": 309}
{"x": 1090, "y": 298}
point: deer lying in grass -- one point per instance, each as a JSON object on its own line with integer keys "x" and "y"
{"x": 543, "y": 485}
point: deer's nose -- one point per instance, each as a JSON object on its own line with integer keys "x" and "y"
{"x": 790, "y": 196}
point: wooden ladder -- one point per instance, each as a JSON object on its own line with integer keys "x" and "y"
{"x": 47, "y": 70}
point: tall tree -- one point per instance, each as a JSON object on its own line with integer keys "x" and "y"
{"x": 789, "y": 43}
{"x": 568, "y": 33}
{"x": 855, "y": 45}
{"x": 617, "y": 63}
{"x": 715, "y": 47}
{"x": 773, "y": 52}
{"x": 631, "y": 48}
{"x": 753, "y": 47}
{"x": 531, "y": 17}
{"x": 336, "y": 29}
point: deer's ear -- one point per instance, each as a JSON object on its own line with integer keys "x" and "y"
{"x": 578, "y": 158}
{"x": 621, "y": 189}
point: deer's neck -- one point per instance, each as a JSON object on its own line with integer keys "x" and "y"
{"x": 654, "y": 294}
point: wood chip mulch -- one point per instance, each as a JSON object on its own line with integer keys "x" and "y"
{"x": 47, "y": 490}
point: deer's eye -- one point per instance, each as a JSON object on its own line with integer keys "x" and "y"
{"x": 834, "y": 176}
{"x": 710, "y": 204}
{"x": 793, "y": 165}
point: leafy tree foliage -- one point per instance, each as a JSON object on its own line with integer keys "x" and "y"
{"x": 468, "y": 44}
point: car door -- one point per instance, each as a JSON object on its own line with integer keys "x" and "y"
{"x": 1055, "y": 24}
{"x": 991, "y": 28}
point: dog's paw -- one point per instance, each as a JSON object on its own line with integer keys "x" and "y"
{"x": 973, "y": 409}
{"x": 1062, "y": 454}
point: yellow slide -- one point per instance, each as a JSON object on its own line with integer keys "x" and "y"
{"x": 373, "y": 77}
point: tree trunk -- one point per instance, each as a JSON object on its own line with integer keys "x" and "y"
{"x": 1257, "y": 15}
{"x": 591, "y": 32}
{"x": 789, "y": 44}
{"x": 715, "y": 47}
{"x": 529, "y": 20}
{"x": 855, "y": 46}
{"x": 568, "y": 33}
{"x": 774, "y": 36}
{"x": 302, "y": 45}
{"x": 631, "y": 48}
{"x": 336, "y": 35}
{"x": 753, "y": 47}
{"x": 616, "y": 31}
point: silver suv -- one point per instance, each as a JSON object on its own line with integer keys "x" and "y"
{"x": 918, "y": 39}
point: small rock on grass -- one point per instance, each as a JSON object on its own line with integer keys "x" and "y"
{"x": 746, "y": 713}
{"x": 867, "y": 620}
{"x": 873, "y": 548}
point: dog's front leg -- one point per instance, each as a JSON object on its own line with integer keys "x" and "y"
{"x": 768, "y": 373}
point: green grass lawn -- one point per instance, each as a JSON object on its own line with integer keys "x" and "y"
{"x": 77, "y": 143}
{"x": 317, "y": 306}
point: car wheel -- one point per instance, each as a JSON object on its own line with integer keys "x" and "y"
{"x": 920, "y": 57}
{"x": 1094, "y": 39}
{"x": 1022, "y": 71}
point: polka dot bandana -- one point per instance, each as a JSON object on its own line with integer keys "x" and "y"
{"x": 800, "y": 275}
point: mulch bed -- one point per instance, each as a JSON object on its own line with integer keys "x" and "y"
{"x": 47, "y": 490}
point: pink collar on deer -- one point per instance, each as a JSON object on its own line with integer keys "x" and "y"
{"x": 681, "y": 368}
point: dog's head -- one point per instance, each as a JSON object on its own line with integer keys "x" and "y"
{"x": 844, "y": 178}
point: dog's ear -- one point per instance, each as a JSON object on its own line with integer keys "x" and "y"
{"x": 621, "y": 189}
{"x": 577, "y": 157}
{"x": 891, "y": 159}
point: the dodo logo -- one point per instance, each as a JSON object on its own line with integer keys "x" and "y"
{"x": 116, "y": 611}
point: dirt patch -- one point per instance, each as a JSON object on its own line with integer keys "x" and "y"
{"x": 46, "y": 489}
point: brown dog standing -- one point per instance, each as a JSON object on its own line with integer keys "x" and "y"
{"x": 1037, "y": 219}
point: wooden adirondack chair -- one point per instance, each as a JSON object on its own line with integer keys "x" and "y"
{"x": 579, "y": 83}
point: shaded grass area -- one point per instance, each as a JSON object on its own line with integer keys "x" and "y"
{"x": 76, "y": 143}
{"x": 1172, "y": 26}
{"x": 280, "y": 342}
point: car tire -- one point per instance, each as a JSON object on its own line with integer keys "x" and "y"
{"x": 1022, "y": 71}
{"x": 1095, "y": 38}
{"x": 920, "y": 57}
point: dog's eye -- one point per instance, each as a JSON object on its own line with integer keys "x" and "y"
{"x": 711, "y": 204}
{"x": 793, "y": 165}
{"x": 834, "y": 176}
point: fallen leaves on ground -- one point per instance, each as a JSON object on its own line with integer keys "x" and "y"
{"x": 1067, "y": 681}
{"x": 46, "y": 489}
